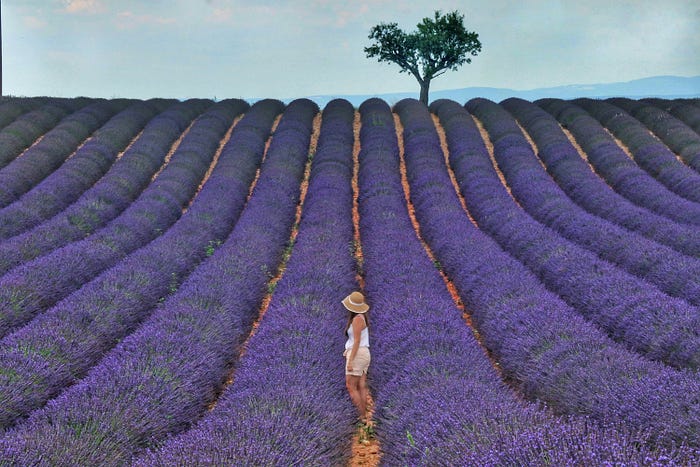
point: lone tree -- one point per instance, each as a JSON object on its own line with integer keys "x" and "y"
{"x": 441, "y": 43}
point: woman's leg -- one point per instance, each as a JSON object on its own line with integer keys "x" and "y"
{"x": 363, "y": 396}
{"x": 352, "y": 382}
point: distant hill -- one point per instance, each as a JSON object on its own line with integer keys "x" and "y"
{"x": 670, "y": 87}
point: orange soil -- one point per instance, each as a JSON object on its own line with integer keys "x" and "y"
{"x": 264, "y": 156}
{"x": 489, "y": 147}
{"x": 466, "y": 315}
{"x": 280, "y": 270}
{"x": 215, "y": 160}
{"x": 578, "y": 148}
{"x": 622, "y": 145}
{"x": 131, "y": 143}
{"x": 446, "y": 153}
{"x": 366, "y": 450}
{"x": 533, "y": 146}
{"x": 37, "y": 141}
{"x": 172, "y": 150}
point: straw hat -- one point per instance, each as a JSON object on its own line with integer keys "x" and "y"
{"x": 355, "y": 302}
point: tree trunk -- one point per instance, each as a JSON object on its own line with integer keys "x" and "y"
{"x": 424, "y": 86}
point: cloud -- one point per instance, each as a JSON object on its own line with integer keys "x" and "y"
{"x": 220, "y": 15}
{"x": 33, "y": 22}
{"x": 129, "y": 20}
{"x": 83, "y": 6}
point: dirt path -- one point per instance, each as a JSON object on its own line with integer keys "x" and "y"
{"x": 215, "y": 160}
{"x": 288, "y": 251}
{"x": 366, "y": 450}
{"x": 466, "y": 315}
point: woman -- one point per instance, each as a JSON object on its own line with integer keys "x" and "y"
{"x": 356, "y": 353}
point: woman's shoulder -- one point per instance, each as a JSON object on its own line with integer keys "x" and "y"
{"x": 360, "y": 320}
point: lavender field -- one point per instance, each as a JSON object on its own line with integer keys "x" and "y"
{"x": 171, "y": 275}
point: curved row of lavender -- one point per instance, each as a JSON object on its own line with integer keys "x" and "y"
{"x": 34, "y": 286}
{"x": 633, "y": 311}
{"x": 588, "y": 190}
{"x": 687, "y": 113}
{"x": 61, "y": 345}
{"x": 22, "y": 132}
{"x": 438, "y": 398}
{"x": 674, "y": 273}
{"x": 11, "y": 109}
{"x": 648, "y": 152}
{"x": 90, "y": 162}
{"x": 618, "y": 170}
{"x": 296, "y": 411}
{"x": 543, "y": 346}
{"x": 162, "y": 377}
{"x": 39, "y": 161}
{"x": 113, "y": 193}
{"x": 676, "y": 135}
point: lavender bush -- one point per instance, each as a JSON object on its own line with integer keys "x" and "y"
{"x": 20, "y": 175}
{"x": 651, "y": 154}
{"x": 625, "y": 306}
{"x": 64, "y": 342}
{"x": 113, "y": 193}
{"x": 675, "y": 134}
{"x": 575, "y": 177}
{"x": 32, "y": 287}
{"x": 297, "y": 411}
{"x": 672, "y": 272}
{"x": 618, "y": 170}
{"x": 163, "y": 376}
{"x": 543, "y": 346}
{"x": 25, "y": 130}
{"x": 80, "y": 172}
{"x": 688, "y": 114}
{"x": 12, "y": 109}
{"x": 439, "y": 400}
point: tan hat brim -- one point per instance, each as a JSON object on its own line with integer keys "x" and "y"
{"x": 355, "y": 307}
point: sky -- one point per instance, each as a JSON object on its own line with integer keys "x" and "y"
{"x": 291, "y": 48}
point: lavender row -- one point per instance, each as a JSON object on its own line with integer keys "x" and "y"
{"x": 541, "y": 343}
{"x": 80, "y": 172}
{"x": 59, "y": 346}
{"x": 32, "y": 287}
{"x": 625, "y": 306}
{"x": 679, "y": 137}
{"x": 588, "y": 190}
{"x": 648, "y": 152}
{"x": 20, "y": 175}
{"x": 162, "y": 377}
{"x": 25, "y": 130}
{"x": 439, "y": 400}
{"x": 111, "y": 194}
{"x": 688, "y": 114}
{"x": 618, "y": 170}
{"x": 13, "y": 109}
{"x": 674, "y": 273}
{"x": 298, "y": 411}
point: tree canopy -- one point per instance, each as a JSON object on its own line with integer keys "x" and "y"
{"x": 439, "y": 44}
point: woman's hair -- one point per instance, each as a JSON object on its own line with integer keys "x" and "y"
{"x": 351, "y": 316}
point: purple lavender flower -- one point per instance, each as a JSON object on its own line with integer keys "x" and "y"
{"x": 161, "y": 378}
{"x": 34, "y": 286}
{"x": 20, "y": 175}
{"x": 590, "y": 191}
{"x": 70, "y": 337}
{"x": 651, "y": 154}
{"x": 618, "y": 170}
{"x": 77, "y": 174}
{"x": 675, "y": 134}
{"x": 111, "y": 194}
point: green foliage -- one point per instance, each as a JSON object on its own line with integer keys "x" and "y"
{"x": 211, "y": 247}
{"x": 439, "y": 44}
